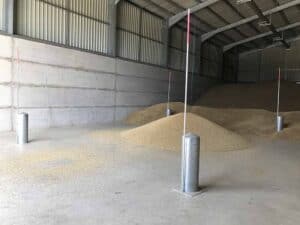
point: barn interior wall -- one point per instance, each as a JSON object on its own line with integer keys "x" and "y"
{"x": 60, "y": 86}
{"x": 263, "y": 65}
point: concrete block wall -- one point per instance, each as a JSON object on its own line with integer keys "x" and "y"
{"x": 63, "y": 87}
{"x": 263, "y": 65}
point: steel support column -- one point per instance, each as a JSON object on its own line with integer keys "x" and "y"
{"x": 198, "y": 53}
{"x": 112, "y": 32}
{"x": 236, "y": 64}
{"x": 8, "y": 15}
{"x": 165, "y": 39}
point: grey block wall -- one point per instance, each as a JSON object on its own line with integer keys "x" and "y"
{"x": 263, "y": 65}
{"x": 62, "y": 87}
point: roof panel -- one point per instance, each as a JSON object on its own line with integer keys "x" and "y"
{"x": 225, "y": 11}
{"x": 293, "y": 14}
{"x": 247, "y": 30}
{"x": 167, "y": 5}
{"x": 242, "y": 8}
{"x": 277, "y": 20}
{"x": 210, "y": 18}
{"x": 234, "y": 35}
{"x": 186, "y": 3}
{"x": 265, "y": 5}
{"x": 222, "y": 13}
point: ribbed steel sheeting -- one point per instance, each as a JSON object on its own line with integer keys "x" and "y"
{"x": 151, "y": 51}
{"x": 41, "y": 20}
{"x": 2, "y": 15}
{"x": 81, "y": 24}
{"x": 139, "y": 34}
{"x": 128, "y": 45}
{"x": 151, "y": 26}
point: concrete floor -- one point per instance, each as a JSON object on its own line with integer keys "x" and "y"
{"x": 83, "y": 176}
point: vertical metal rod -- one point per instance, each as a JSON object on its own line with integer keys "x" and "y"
{"x": 278, "y": 92}
{"x": 185, "y": 102}
{"x": 260, "y": 58}
{"x": 140, "y": 33}
{"x": 169, "y": 90}
{"x": 193, "y": 67}
{"x": 67, "y": 23}
{"x": 186, "y": 70}
{"x": 169, "y": 111}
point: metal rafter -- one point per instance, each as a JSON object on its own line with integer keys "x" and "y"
{"x": 197, "y": 29}
{"x": 226, "y": 22}
{"x": 290, "y": 40}
{"x": 260, "y": 14}
{"x": 231, "y": 6}
{"x": 283, "y": 14}
{"x": 169, "y": 13}
{"x": 221, "y": 18}
{"x": 198, "y": 18}
{"x": 176, "y": 18}
{"x": 210, "y": 34}
{"x": 288, "y": 27}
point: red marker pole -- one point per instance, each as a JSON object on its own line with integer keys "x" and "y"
{"x": 279, "y": 118}
{"x": 186, "y": 69}
{"x": 278, "y": 91}
{"x": 183, "y": 153}
{"x": 169, "y": 88}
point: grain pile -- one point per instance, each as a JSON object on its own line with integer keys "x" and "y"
{"x": 291, "y": 131}
{"x": 244, "y": 109}
{"x": 261, "y": 95}
{"x": 152, "y": 113}
{"x": 166, "y": 133}
{"x": 246, "y": 122}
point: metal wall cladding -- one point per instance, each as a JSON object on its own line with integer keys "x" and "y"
{"x": 139, "y": 34}
{"x": 128, "y": 45}
{"x": 176, "y": 38}
{"x": 211, "y": 59}
{"x": 77, "y": 23}
{"x": 85, "y": 24}
{"x": 178, "y": 50}
{"x": 88, "y": 34}
{"x": 2, "y": 15}
{"x": 129, "y": 17}
{"x": 151, "y": 51}
{"x": 194, "y": 63}
{"x": 60, "y": 3}
{"x": 176, "y": 59}
{"x": 89, "y": 25}
{"x": 128, "y": 31}
{"x": 192, "y": 42}
{"x": 291, "y": 75}
{"x": 95, "y": 9}
{"x": 42, "y": 20}
{"x": 152, "y": 26}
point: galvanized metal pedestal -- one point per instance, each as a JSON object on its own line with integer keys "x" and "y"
{"x": 169, "y": 112}
{"x": 22, "y": 128}
{"x": 190, "y": 166}
{"x": 279, "y": 123}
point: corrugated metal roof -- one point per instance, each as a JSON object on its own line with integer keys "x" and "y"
{"x": 225, "y": 12}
